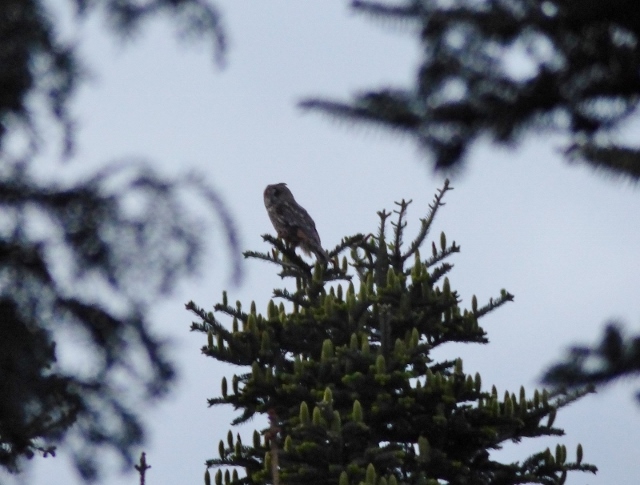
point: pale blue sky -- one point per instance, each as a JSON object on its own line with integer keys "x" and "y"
{"x": 562, "y": 239}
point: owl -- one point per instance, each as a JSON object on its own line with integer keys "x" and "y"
{"x": 293, "y": 224}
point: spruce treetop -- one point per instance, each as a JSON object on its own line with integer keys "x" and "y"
{"x": 342, "y": 367}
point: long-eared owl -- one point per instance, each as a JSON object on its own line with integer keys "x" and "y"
{"x": 293, "y": 224}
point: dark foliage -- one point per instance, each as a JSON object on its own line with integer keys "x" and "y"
{"x": 348, "y": 380}
{"x": 81, "y": 262}
{"x": 38, "y": 66}
{"x": 609, "y": 159}
{"x": 503, "y": 68}
{"x": 614, "y": 357}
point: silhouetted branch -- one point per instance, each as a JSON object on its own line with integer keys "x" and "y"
{"x": 142, "y": 467}
{"x": 615, "y": 356}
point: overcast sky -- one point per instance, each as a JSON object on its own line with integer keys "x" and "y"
{"x": 561, "y": 238}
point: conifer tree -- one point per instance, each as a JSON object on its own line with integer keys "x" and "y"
{"x": 343, "y": 368}
{"x": 578, "y": 75}
{"x": 82, "y": 260}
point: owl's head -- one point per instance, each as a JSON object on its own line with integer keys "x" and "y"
{"x": 277, "y": 192}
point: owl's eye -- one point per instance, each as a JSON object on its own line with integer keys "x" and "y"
{"x": 276, "y": 192}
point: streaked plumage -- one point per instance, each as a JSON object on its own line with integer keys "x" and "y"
{"x": 291, "y": 221}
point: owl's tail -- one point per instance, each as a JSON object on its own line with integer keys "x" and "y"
{"x": 321, "y": 254}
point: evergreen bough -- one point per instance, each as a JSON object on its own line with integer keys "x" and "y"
{"x": 502, "y": 69}
{"x": 344, "y": 373}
